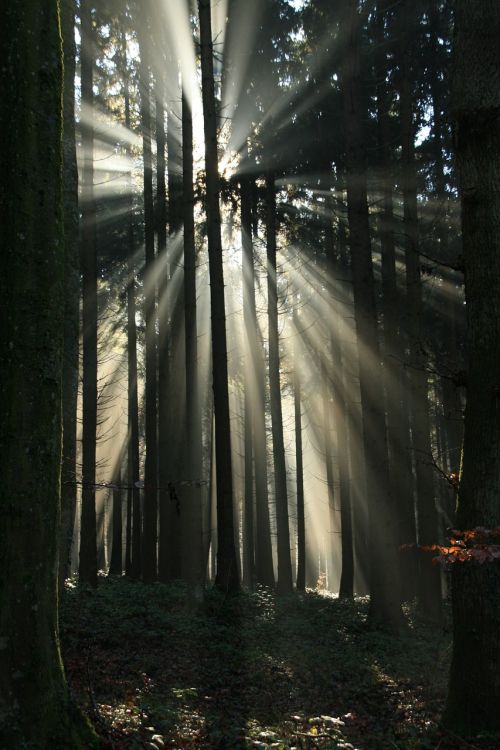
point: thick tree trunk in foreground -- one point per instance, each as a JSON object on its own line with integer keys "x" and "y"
{"x": 35, "y": 711}
{"x": 385, "y": 610}
{"x": 227, "y": 572}
{"x": 284, "y": 583}
{"x": 71, "y": 295}
{"x": 88, "y": 526}
{"x": 474, "y": 693}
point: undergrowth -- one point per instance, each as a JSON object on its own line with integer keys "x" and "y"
{"x": 254, "y": 670}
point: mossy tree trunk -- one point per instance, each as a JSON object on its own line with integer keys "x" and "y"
{"x": 71, "y": 294}
{"x": 35, "y": 710}
{"x": 474, "y": 692}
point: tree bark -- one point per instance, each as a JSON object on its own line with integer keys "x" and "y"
{"x": 134, "y": 521}
{"x": 385, "y": 610}
{"x": 150, "y": 510}
{"x": 264, "y": 572}
{"x": 116, "y": 561}
{"x": 88, "y": 262}
{"x": 35, "y": 709}
{"x": 299, "y": 466}
{"x": 340, "y": 411}
{"x": 474, "y": 687}
{"x": 284, "y": 583}
{"x": 71, "y": 295}
{"x": 193, "y": 539}
{"x": 249, "y": 385}
{"x": 227, "y": 573}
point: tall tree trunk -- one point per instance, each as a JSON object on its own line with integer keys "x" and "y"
{"x": 193, "y": 540}
{"x": 353, "y": 478}
{"x": 134, "y": 521}
{"x": 150, "y": 511}
{"x": 171, "y": 396}
{"x": 327, "y": 426}
{"x": 35, "y": 709}
{"x": 227, "y": 573}
{"x": 71, "y": 294}
{"x": 394, "y": 353}
{"x": 429, "y": 576}
{"x": 474, "y": 687}
{"x": 299, "y": 464}
{"x": 164, "y": 402}
{"x": 385, "y": 610}
{"x": 88, "y": 262}
{"x": 250, "y": 377}
{"x": 452, "y": 402}
{"x": 340, "y": 410}
{"x": 116, "y": 560}
{"x": 284, "y": 583}
{"x": 264, "y": 573}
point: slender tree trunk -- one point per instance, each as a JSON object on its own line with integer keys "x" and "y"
{"x": 227, "y": 573}
{"x": 250, "y": 376}
{"x": 35, "y": 709}
{"x": 264, "y": 573}
{"x": 164, "y": 402}
{"x": 71, "y": 295}
{"x": 352, "y": 479}
{"x": 326, "y": 383}
{"x": 474, "y": 687}
{"x": 134, "y": 521}
{"x": 299, "y": 465}
{"x": 88, "y": 262}
{"x": 385, "y": 610}
{"x": 149, "y": 528}
{"x": 171, "y": 364}
{"x": 116, "y": 561}
{"x": 340, "y": 411}
{"x": 194, "y": 537}
{"x": 284, "y": 582}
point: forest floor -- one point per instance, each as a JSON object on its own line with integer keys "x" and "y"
{"x": 253, "y": 671}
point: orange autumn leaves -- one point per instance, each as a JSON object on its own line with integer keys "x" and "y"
{"x": 478, "y": 545}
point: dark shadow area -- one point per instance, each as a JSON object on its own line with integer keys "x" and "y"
{"x": 252, "y": 670}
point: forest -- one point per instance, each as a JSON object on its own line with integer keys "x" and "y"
{"x": 250, "y": 374}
